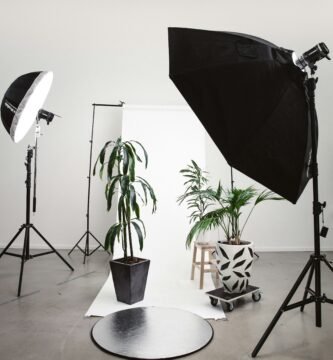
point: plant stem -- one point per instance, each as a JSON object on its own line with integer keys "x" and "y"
{"x": 125, "y": 235}
{"x": 241, "y": 232}
{"x": 130, "y": 238}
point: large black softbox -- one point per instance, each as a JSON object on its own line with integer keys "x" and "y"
{"x": 251, "y": 98}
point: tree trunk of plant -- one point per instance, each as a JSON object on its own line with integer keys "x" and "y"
{"x": 237, "y": 240}
{"x": 130, "y": 239}
{"x": 130, "y": 235}
{"x": 125, "y": 235}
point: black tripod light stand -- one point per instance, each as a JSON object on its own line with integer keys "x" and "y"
{"x": 218, "y": 73}
{"x": 86, "y": 251}
{"x": 27, "y": 227}
{"x": 21, "y": 106}
{"x": 313, "y": 266}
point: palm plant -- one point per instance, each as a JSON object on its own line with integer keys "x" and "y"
{"x": 133, "y": 190}
{"x": 227, "y": 215}
{"x": 197, "y": 194}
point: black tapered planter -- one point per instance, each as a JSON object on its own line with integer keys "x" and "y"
{"x": 130, "y": 279}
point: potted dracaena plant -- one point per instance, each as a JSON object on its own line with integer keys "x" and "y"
{"x": 128, "y": 191}
{"x": 234, "y": 255}
{"x": 197, "y": 195}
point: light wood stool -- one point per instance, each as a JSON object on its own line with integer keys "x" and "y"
{"x": 204, "y": 248}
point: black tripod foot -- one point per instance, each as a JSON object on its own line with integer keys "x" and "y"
{"x": 87, "y": 252}
{"x": 284, "y": 307}
{"x": 54, "y": 250}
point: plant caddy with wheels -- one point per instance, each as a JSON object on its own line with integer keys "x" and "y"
{"x": 234, "y": 257}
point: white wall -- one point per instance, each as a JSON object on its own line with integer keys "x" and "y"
{"x": 111, "y": 50}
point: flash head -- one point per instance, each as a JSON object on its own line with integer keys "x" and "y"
{"x": 310, "y": 57}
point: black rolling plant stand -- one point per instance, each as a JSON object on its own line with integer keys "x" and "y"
{"x": 313, "y": 266}
{"x": 86, "y": 251}
{"x": 26, "y": 255}
{"x": 229, "y": 298}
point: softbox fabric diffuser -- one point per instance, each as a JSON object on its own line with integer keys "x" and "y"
{"x": 22, "y": 101}
{"x": 250, "y": 97}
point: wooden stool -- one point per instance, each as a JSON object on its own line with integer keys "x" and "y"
{"x": 204, "y": 247}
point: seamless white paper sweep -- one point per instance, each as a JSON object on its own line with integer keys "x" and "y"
{"x": 179, "y": 292}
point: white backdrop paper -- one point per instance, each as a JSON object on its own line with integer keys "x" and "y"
{"x": 172, "y": 137}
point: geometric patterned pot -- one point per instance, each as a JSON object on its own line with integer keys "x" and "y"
{"x": 234, "y": 264}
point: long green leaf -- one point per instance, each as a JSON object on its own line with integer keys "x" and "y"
{"x": 125, "y": 160}
{"x": 124, "y": 184}
{"x": 101, "y": 156}
{"x": 111, "y": 236}
{"x": 134, "y": 150}
{"x": 143, "y": 226}
{"x": 151, "y": 193}
{"x": 139, "y": 233}
{"x": 111, "y": 190}
{"x": 144, "y": 152}
{"x": 143, "y": 185}
{"x": 131, "y": 162}
{"x": 112, "y": 160}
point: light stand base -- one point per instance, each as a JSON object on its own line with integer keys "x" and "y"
{"x": 25, "y": 256}
{"x": 311, "y": 266}
{"x": 86, "y": 252}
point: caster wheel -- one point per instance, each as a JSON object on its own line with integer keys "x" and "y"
{"x": 256, "y": 296}
{"x": 213, "y": 301}
{"x": 230, "y": 306}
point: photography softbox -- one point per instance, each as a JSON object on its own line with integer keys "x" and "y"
{"x": 251, "y": 98}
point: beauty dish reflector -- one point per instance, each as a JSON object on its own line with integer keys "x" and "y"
{"x": 22, "y": 102}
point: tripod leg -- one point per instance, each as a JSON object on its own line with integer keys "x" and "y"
{"x": 98, "y": 242}
{"x": 308, "y": 283}
{"x": 77, "y": 243}
{"x": 23, "y": 260}
{"x": 38, "y": 233}
{"x": 317, "y": 268}
{"x": 281, "y": 310}
{"x": 325, "y": 261}
{"x": 13, "y": 239}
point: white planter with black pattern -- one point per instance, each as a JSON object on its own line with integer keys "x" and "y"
{"x": 234, "y": 263}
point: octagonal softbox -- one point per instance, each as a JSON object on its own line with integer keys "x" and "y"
{"x": 251, "y": 98}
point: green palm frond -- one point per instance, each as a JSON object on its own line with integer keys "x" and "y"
{"x": 211, "y": 220}
{"x": 267, "y": 195}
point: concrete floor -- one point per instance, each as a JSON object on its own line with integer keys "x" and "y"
{"x": 48, "y": 322}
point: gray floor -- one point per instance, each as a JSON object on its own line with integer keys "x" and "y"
{"x": 47, "y": 322}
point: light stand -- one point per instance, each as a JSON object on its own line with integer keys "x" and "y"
{"x": 27, "y": 226}
{"x": 86, "y": 251}
{"x": 313, "y": 266}
{"x": 21, "y": 106}
{"x": 232, "y": 182}
{"x": 48, "y": 117}
{"x": 282, "y": 153}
